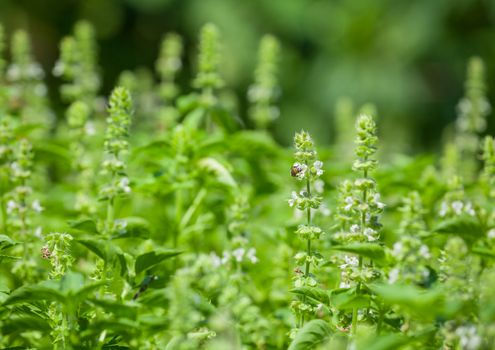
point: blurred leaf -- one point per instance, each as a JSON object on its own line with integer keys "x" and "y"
{"x": 46, "y": 290}
{"x": 224, "y": 118}
{"x": 150, "y": 259}
{"x": 386, "y": 342}
{"x": 466, "y": 227}
{"x": 106, "y": 250}
{"x": 346, "y": 299}
{"x": 6, "y": 242}
{"x": 312, "y": 334}
{"x": 85, "y": 225}
{"x": 414, "y": 299}
{"x": 47, "y": 150}
{"x": 316, "y": 295}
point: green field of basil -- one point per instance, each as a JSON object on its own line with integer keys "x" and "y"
{"x": 158, "y": 219}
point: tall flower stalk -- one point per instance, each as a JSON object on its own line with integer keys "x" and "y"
{"x": 359, "y": 211}
{"x": 116, "y": 146}
{"x": 472, "y": 109}
{"x": 264, "y": 92}
{"x": 306, "y": 169}
{"x": 208, "y": 79}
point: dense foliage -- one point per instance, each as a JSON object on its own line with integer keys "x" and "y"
{"x": 161, "y": 219}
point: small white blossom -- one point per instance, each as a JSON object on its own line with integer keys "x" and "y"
{"x": 238, "y": 254}
{"x": 350, "y": 202}
{"x": 37, "y": 206}
{"x": 318, "y": 167}
{"x": 38, "y": 232}
{"x": 355, "y": 228}
{"x": 443, "y": 209}
{"x": 424, "y": 251}
{"x": 370, "y": 234}
{"x": 457, "y": 207}
{"x": 124, "y": 185}
{"x": 469, "y": 209}
{"x": 324, "y": 210}
{"x": 397, "y": 249}
{"x": 215, "y": 260}
{"x": 319, "y": 186}
{"x": 379, "y": 204}
{"x": 90, "y": 128}
{"x": 251, "y": 255}
{"x": 349, "y": 261}
{"x": 293, "y": 199}
{"x": 11, "y": 206}
{"x": 393, "y": 275}
{"x": 468, "y": 337}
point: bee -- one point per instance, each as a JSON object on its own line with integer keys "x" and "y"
{"x": 45, "y": 253}
{"x": 296, "y": 169}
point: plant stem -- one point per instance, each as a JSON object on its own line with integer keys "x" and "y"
{"x": 110, "y": 216}
{"x": 308, "y": 246}
{"x": 178, "y": 215}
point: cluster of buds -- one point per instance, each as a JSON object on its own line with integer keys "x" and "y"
{"x": 19, "y": 204}
{"x": 454, "y": 203}
{"x": 488, "y": 156}
{"x": 57, "y": 250}
{"x": 412, "y": 257}
{"x": 169, "y": 64}
{"x": 459, "y": 269}
{"x": 359, "y": 211}
{"x": 77, "y": 65}
{"x": 27, "y": 91}
{"x": 264, "y": 92}
{"x": 117, "y": 144}
{"x": 360, "y": 204}
{"x": 473, "y": 109}
{"x": 208, "y": 78}
{"x": 307, "y": 169}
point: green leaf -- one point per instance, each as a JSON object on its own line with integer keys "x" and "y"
{"x": 150, "y": 259}
{"x": 347, "y": 299}
{"x": 52, "y": 151}
{"x": 85, "y": 225}
{"x": 223, "y": 118}
{"x": 194, "y": 118}
{"x": 135, "y": 227}
{"x": 387, "y": 342}
{"x": 312, "y": 334}
{"x": 46, "y": 290}
{"x": 316, "y": 295}
{"x": 6, "y": 242}
{"x": 486, "y": 252}
{"x": 372, "y": 251}
{"x": 187, "y": 103}
{"x": 464, "y": 226}
{"x": 418, "y": 301}
{"x": 106, "y": 250}
{"x": 154, "y": 148}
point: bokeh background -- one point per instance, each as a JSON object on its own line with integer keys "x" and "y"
{"x": 407, "y": 57}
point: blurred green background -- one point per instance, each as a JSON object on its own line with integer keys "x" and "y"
{"x": 407, "y": 57}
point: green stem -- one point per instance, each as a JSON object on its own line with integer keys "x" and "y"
{"x": 179, "y": 198}
{"x": 308, "y": 246}
{"x": 355, "y": 309}
{"x": 110, "y": 216}
{"x": 4, "y": 215}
